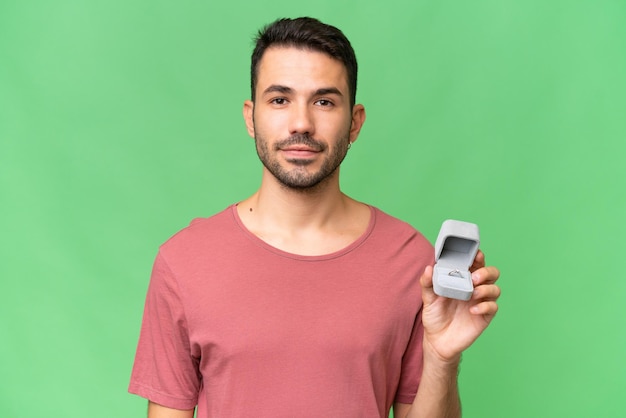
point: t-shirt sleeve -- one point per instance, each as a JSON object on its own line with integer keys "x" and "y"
{"x": 165, "y": 371}
{"x": 412, "y": 365}
{"x": 413, "y": 358}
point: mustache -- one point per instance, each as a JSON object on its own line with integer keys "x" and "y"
{"x": 301, "y": 139}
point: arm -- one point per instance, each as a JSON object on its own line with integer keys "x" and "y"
{"x": 158, "y": 411}
{"x": 438, "y": 394}
{"x": 450, "y": 326}
{"x": 166, "y": 369}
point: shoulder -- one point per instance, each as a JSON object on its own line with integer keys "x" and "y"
{"x": 396, "y": 239}
{"x": 395, "y": 228}
{"x": 202, "y": 232}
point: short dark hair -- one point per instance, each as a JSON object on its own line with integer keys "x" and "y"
{"x": 306, "y": 33}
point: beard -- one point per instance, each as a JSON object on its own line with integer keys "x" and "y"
{"x": 299, "y": 178}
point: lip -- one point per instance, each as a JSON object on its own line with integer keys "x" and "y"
{"x": 299, "y": 147}
{"x": 299, "y": 152}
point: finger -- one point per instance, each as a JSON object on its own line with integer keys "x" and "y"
{"x": 485, "y": 275}
{"x": 479, "y": 261}
{"x": 488, "y": 308}
{"x": 428, "y": 293}
{"x": 487, "y": 292}
{"x": 427, "y": 277}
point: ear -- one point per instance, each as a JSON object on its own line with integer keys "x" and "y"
{"x": 358, "y": 119}
{"x": 248, "y": 116}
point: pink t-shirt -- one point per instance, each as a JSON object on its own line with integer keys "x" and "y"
{"x": 240, "y": 328}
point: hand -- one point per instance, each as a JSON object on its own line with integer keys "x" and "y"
{"x": 450, "y": 325}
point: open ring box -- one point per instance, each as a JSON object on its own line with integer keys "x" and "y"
{"x": 455, "y": 250}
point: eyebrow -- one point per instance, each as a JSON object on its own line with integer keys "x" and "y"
{"x": 327, "y": 91}
{"x": 277, "y": 88}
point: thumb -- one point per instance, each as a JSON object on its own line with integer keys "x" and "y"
{"x": 428, "y": 294}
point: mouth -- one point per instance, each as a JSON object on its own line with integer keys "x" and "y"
{"x": 300, "y": 143}
{"x": 300, "y": 148}
{"x": 299, "y": 152}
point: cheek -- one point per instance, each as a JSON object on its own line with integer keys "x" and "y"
{"x": 333, "y": 125}
{"x": 271, "y": 125}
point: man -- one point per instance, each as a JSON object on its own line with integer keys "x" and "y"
{"x": 300, "y": 301}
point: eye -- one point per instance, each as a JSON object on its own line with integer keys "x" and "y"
{"x": 278, "y": 101}
{"x": 324, "y": 103}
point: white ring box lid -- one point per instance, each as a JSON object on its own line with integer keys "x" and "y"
{"x": 455, "y": 249}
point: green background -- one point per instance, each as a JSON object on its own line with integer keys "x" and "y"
{"x": 120, "y": 121}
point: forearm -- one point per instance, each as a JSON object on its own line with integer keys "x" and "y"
{"x": 159, "y": 411}
{"x": 438, "y": 393}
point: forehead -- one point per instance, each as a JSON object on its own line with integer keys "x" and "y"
{"x": 300, "y": 68}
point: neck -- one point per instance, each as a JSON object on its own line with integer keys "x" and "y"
{"x": 291, "y": 208}
{"x": 307, "y": 222}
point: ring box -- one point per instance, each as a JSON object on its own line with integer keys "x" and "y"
{"x": 455, "y": 250}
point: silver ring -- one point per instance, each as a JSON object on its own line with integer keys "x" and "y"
{"x": 456, "y": 273}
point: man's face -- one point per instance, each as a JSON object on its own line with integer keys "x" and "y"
{"x": 301, "y": 120}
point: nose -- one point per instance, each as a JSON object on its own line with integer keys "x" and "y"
{"x": 301, "y": 120}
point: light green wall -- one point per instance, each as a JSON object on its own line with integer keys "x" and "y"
{"x": 120, "y": 121}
